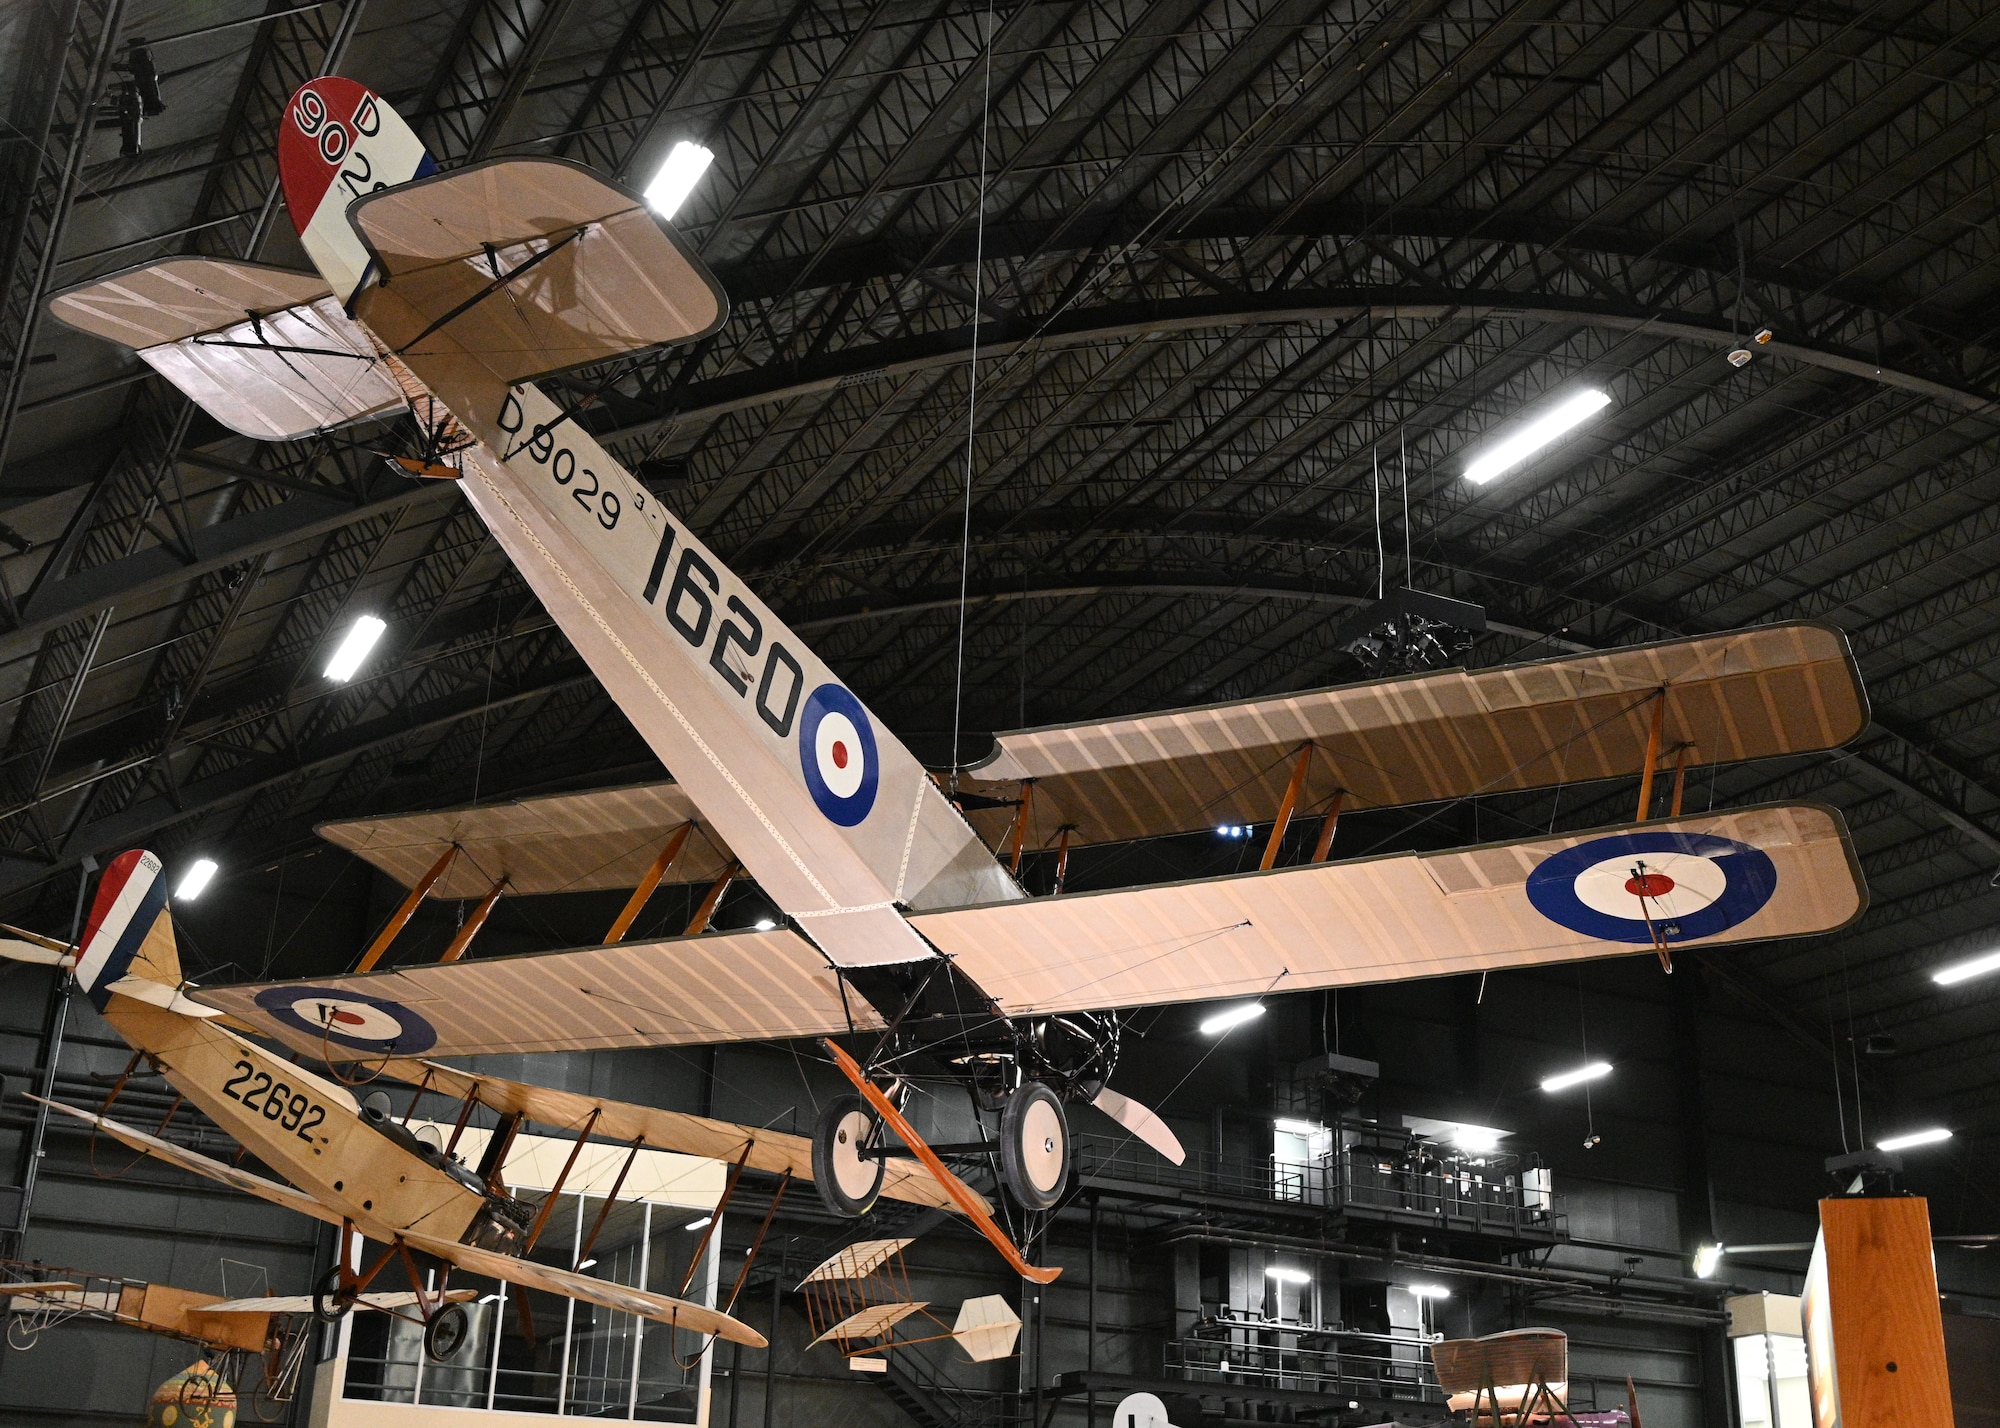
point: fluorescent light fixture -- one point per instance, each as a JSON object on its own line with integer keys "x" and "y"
{"x": 1235, "y": 1016}
{"x": 1296, "y": 1127}
{"x": 1706, "y": 1260}
{"x": 1479, "y": 1140}
{"x": 361, "y": 638}
{"x": 764, "y": 924}
{"x": 489, "y": 1298}
{"x": 201, "y": 872}
{"x": 1562, "y": 1081}
{"x": 686, "y": 163}
{"x": 1965, "y": 971}
{"x": 1914, "y": 1139}
{"x": 1430, "y": 1291}
{"x": 587, "y": 1263}
{"x": 1286, "y": 1275}
{"x": 1503, "y": 456}
{"x": 700, "y": 1224}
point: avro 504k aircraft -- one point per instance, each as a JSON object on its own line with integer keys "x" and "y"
{"x": 449, "y": 293}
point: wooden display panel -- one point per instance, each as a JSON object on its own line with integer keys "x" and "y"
{"x": 1874, "y": 1331}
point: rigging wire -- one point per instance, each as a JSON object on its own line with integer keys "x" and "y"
{"x": 972, "y": 399}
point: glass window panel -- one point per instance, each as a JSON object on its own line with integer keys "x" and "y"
{"x": 603, "y": 1342}
{"x": 670, "y": 1362}
{"x": 1753, "y": 1381}
{"x": 529, "y": 1379}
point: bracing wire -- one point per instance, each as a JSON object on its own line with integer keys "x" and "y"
{"x": 1381, "y": 561}
{"x": 972, "y": 398}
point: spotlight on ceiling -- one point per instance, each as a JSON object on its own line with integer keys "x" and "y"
{"x": 1706, "y": 1260}
{"x": 686, "y": 163}
{"x": 1477, "y": 1140}
{"x": 201, "y": 872}
{"x": 354, "y": 648}
{"x": 1285, "y": 1275}
{"x": 1980, "y": 966}
{"x": 1563, "y": 1080}
{"x": 1430, "y": 1291}
{"x": 764, "y": 924}
{"x": 700, "y": 1224}
{"x": 1509, "y": 452}
{"x": 1928, "y": 1136}
{"x": 1235, "y": 1016}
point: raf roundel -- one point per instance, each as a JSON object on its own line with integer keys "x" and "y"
{"x": 837, "y": 754}
{"x": 350, "y": 1019}
{"x": 1653, "y": 887}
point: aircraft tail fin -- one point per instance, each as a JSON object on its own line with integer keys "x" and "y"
{"x": 130, "y": 933}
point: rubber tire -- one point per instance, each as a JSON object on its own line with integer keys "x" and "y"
{"x": 1034, "y": 1146}
{"x": 329, "y": 1306}
{"x": 447, "y": 1332}
{"x": 846, "y": 1186}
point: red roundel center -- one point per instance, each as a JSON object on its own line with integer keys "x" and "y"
{"x": 839, "y": 754}
{"x": 1649, "y": 885}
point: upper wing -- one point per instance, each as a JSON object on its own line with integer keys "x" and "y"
{"x": 198, "y": 1164}
{"x": 1778, "y": 689}
{"x": 266, "y": 352}
{"x": 607, "y": 278}
{"x": 663, "y": 1130}
{"x": 1741, "y": 876}
{"x": 661, "y": 1308}
{"x": 735, "y": 986}
{"x": 303, "y": 1304}
{"x": 562, "y": 842}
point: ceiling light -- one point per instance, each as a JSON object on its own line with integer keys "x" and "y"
{"x": 1562, "y": 1081}
{"x": 587, "y": 1263}
{"x": 1706, "y": 1260}
{"x": 361, "y": 638}
{"x": 1965, "y": 971}
{"x": 1480, "y": 1140}
{"x": 1914, "y": 1139}
{"x": 489, "y": 1298}
{"x": 1235, "y": 1016}
{"x": 764, "y": 924}
{"x": 1505, "y": 455}
{"x": 700, "y": 1224}
{"x": 1296, "y": 1127}
{"x": 198, "y": 876}
{"x": 1430, "y": 1291}
{"x": 685, "y": 165}
{"x": 1288, "y": 1276}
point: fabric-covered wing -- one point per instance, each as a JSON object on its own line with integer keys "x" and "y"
{"x": 1749, "y": 694}
{"x": 1741, "y": 876}
{"x": 871, "y": 1322}
{"x": 562, "y": 842}
{"x": 196, "y": 1164}
{"x": 734, "y": 986}
{"x": 265, "y": 351}
{"x": 618, "y": 281}
{"x": 661, "y": 1308}
{"x": 771, "y": 1151}
{"x": 302, "y": 1303}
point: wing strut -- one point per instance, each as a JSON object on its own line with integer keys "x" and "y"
{"x": 960, "y": 1194}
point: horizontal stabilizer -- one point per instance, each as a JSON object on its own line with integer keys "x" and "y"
{"x": 533, "y": 264}
{"x": 1423, "y": 738}
{"x": 267, "y": 352}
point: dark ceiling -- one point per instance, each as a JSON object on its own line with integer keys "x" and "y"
{"x": 1230, "y": 267}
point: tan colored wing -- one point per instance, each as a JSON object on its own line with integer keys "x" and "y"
{"x": 856, "y": 1261}
{"x": 875, "y": 1320}
{"x": 562, "y": 842}
{"x": 1748, "y": 694}
{"x": 660, "y": 1308}
{"x": 1381, "y": 919}
{"x": 196, "y": 1164}
{"x": 623, "y": 284}
{"x": 771, "y": 1151}
{"x": 303, "y": 1304}
{"x": 735, "y": 986}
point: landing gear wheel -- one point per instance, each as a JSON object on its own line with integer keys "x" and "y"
{"x": 445, "y": 1334}
{"x": 331, "y": 1302}
{"x": 847, "y": 1184}
{"x": 1034, "y": 1146}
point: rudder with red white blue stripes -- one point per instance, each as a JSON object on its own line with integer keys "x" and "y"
{"x": 130, "y": 932}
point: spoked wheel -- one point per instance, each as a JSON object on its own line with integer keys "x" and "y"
{"x": 848, "y": 1184}
{"x": 1034, "y": 1146}
{"x": 445, "y": 1334}
{"x": 331, "y": 1301}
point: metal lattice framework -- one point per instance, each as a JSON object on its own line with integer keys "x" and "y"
{"x": 1246, "y": 279}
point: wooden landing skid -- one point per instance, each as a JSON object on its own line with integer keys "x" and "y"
{"x": 961, "y": 1196}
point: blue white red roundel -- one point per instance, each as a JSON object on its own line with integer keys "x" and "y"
{"x": 351, "y": 1019}
{"x": 1630, "y": 886}
{"x": 837, "y": 754}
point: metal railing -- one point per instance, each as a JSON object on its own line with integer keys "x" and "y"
{"x": 1306, "y": 1359}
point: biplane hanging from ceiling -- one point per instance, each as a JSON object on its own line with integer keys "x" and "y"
{"x": 459, "y": 288}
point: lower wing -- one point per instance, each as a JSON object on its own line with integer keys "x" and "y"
{"x": 196, "y": 1164}
{"x": 661, "y": 1308}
